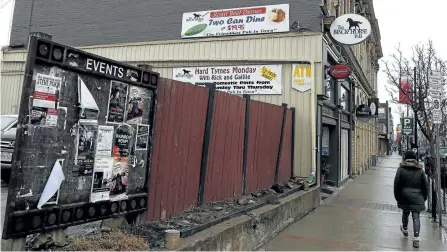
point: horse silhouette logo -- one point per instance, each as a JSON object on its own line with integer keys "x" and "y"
{"x": 196, "y": 15}
{"x": 353, "y": 23}
{"x": 185, "y": 72}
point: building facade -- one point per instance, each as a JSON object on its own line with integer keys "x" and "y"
{"x": 383, "y": 127}
{"x": 150, "y": 33}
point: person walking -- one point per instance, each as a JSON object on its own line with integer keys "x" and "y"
{"x": 411, "y": 192}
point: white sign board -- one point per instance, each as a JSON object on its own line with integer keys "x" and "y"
{"x": 435, "y": 84}
{"x": 238, "y": 21}
{"x": 253, "y": 79}
{"x": 302, "y": 76}
{"x": 437, "y": 117}
{"x": 350, "y": 29}
{"x": 436, "y": 110}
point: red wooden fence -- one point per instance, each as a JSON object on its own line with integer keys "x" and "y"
{"x": 285, "y": 163}
{"x": 263, "y": 144}
{"x": 179, "y": 131}
{"x": 224, "y": 170}
{"x": 180, "y": 122}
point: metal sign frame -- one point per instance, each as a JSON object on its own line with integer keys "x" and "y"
{"x": 19, "y": 220}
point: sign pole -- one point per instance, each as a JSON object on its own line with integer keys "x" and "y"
{"x": 438, "y": 174}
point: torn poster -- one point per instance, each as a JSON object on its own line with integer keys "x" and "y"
{"x": 104, "y": 141}
{"x": 117, "y": 102}
{"x": 136, "y": 101}
{"x": 120, "y": 175}
{"x": 141, "y": 142}
{"x": 46, "y": 117}
{"x": 102, "y": 179}
{"x": 46, "y": 90}
{"x": 53, "y": 184}
{"x": 89, "y": 110}
{"x": 85, "y": 154}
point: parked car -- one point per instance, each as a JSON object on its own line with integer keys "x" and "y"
{"x": 8, "y": 126}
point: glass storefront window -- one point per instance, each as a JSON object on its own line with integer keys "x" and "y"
{"x": 344, "y": 98}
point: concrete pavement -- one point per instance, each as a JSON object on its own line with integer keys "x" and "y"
{"x": 363, "y": 216}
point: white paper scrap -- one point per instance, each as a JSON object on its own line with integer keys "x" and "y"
{"x": 52, "y": 185}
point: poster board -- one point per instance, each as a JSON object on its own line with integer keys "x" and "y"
{"x": 83, "y": 110}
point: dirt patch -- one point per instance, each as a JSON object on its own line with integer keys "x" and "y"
{"x": 115, "y": 240}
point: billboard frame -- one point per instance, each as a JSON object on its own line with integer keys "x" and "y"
{"x": 19, "y": 223}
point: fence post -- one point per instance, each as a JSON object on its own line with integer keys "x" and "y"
{"x": 246, "y": 131}
{"x": 283, "y": 124}
{"x": 292, "y": 173}
{"x": 206, "y": 142}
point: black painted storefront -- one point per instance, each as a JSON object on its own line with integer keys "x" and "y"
{"x": 335, "y": 129}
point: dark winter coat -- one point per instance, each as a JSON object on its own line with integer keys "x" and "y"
{"x": 411, "y": 186}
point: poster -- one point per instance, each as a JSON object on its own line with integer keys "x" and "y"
{"x": 138, "y": 97}
{"x": 85, "y": 156}
{"x": 253, "y": 79}
{"x": 46, "y": 117}
{"x": 121, "y": 154}
{"x": 104, "y": 141}
{"x": 237, "y": 21}
{"x": 45, "y": 91}
{"x": 123, "y": 141}
{"x": 89, "y": 110}
{"x": 117, "y": 102}
{"x": 102, "y": 179}
{"x": 142, "y": 139}
{"x": 302, "y": 76}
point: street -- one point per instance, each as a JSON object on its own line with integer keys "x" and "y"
{"x": 363, "y": 216}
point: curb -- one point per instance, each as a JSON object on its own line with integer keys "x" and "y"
{"x": 253, "y": 229}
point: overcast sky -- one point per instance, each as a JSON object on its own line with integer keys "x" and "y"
{"x": 409, "y": 22}
{"x": 401, "y": 21}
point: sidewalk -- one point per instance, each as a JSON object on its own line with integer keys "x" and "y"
{"x": 363, "y": 216}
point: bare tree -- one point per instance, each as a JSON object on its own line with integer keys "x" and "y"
{"x": 399, "y": 67}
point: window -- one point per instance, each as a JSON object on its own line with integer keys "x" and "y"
{"x": 329, "y": 89}
{"x": 344, "y": 98}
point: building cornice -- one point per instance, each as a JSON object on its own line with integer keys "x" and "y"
{"x": 375, "y": 27}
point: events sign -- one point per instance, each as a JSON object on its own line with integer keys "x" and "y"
{"x": 254, "y": 79}
{"x": 238, "y": 21}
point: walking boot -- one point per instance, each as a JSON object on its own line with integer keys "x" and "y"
{"x": 404, "y": 231}
{"x": 416, "y": 242}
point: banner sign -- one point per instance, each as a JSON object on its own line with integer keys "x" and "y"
{"x": 407, "y": 126}
{"x": 238, "y": 21}
{"x": 255, "y": 79}
{"x": 404, "y": 91}
{"x": 302, "y": 76}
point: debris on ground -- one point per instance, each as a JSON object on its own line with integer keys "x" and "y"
{"x": 152, "y": 233}
{"x": 115, "y": 240}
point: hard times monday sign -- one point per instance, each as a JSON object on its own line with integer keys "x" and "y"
{"x": 254, "y": 79}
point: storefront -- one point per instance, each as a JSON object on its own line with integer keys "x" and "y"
{"x": 336, "y": 125}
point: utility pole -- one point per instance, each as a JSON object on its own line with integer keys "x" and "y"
{"x": 408, "y": 136}
{"x": 415, "y": 106}
{"x": 438, "y": 173}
